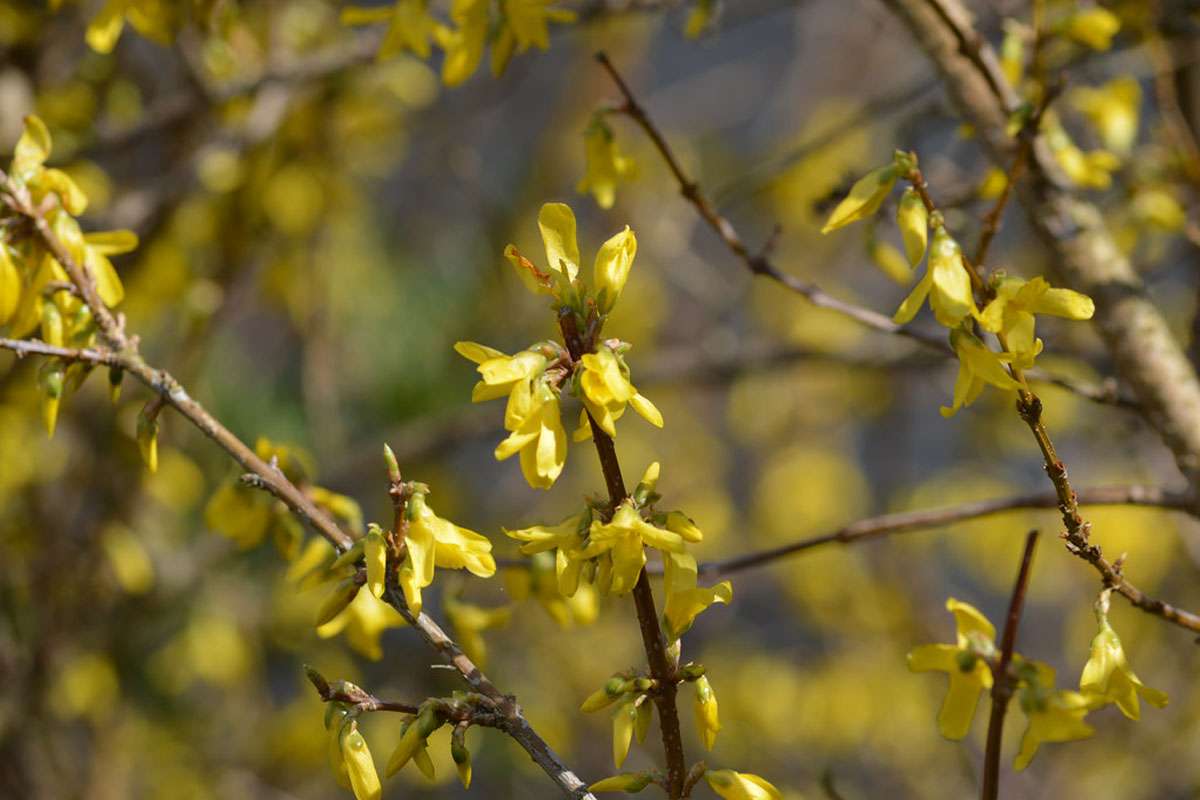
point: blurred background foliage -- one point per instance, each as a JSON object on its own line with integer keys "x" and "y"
{"x": 318, "y": 229}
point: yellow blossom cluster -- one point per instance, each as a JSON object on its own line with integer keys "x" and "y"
{"x": 1053, "y": 715}
{"x": 532, "y": 379}
{"x": 36, "y": 293}
{"x": 952, "y": 288}
{"x": 507, "y": 26}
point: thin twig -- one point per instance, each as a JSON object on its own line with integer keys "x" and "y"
{"x": 924, "y": 519}
{"x": 1002, "y": 682}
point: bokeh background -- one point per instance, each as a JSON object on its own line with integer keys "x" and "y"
{"x": 318, "y": 230}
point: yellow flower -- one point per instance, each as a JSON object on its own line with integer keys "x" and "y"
{"x": 606, "y": 167}
{"x": 500, "y": 372}
{"x": 622, "y": 539}
{"x": 628, "y": 782}
{"x": 413, "y": 740}
{"x": 1054, "y": 715}
{"x": 865, "y": 198}
{"x": 150, "y": 18}
{"x": 913, "y": 220}
{"x": 565, "y": 538}
{"x": 1092, "y": 26}
{"x": 891, "y": 261}
{"x": 741, "y": 785}
{"x": 624, "y": 722}
{"x": 705, "y": 706}
{"x": 556, "y": 221}
{"x": 431, "y": 540}
{"x": 463, "y": 45}
{"x": 685, "y": 601}
{"x": 969, "y": 674}
{"x": 10, "y": 285}
{"x": 946, "y": 283}
{"x": 606, "y": 390}
{"x": 363, "y": 622}
{"x": 529, "y": 21}
{"x": 470, "y": 621}
{"x": 1108, "y": 676}
{"x": 410, "y": 26}
{"x": 1012, "y": 311}
{"x": 614, "y": 259}
{"x": 1113, "y": 110}
{"x": 978, "y": 366}
{"x": 1092, "y": 170}
{"x": 360, "y": 766}
{"x": 536, "y": 432}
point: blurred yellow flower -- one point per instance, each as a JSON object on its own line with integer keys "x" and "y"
{"x": 1092, "y": 26}
{"x": 606, "y": 167}
{"x": 1054, "y": 715}
{"x": 1113, "y": 109}
{"x": 410, "y": 26}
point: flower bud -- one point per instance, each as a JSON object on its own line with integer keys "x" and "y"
{"x": 913, "y": 220}
{"x": 147, "y": 434}
{"x": 461, "y": 755}
{"x": 628, "y": 782}
{"x": 375, "y": 554}
{"x": 336, "y": 602}
{"x": 613, "y": 262}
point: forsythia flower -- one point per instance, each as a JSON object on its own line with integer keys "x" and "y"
{"x": 741, "y": 785}
{"x": 470, "y": 621}
{"x": 969, "y": 674}
{"x": 410, "y": 26}
{"x": 625, "y": 720}
{"x": 1054, "y": 715}
{"x": 865, "y": 198}
{"x": 913, "y": 220}
{"x": 946, "y": 283}
{"x": 891, "y": 262}
{"x": 977, "y": 367}
{"x": 500, "y": 372}
{"x": 528, "y": 21}
{"x": 705, "y": 706}
{"x": 623, "y": 539}
{"x": 1091, "y": 170}
{"x": 606, "y": 167}
{"x": 359, "y": 765}
{"x": 363, "y": 621}
{"x": 556, "y": 222}
{"x": 607, "y": 390}
{"x": 614, "y": 259}
{"x": 1092, "y": 26}
{"x": 431, "y": 540}
{"x": 150, "y": 18}
{"x": 1113, "y": 110}
{"x": 685, "y": 601}
{"x": 536, "y": 432}
{"x": 629, "y": 782}
{"x": 1012, "y": 311}
{"x": 1108, "y": 676}
{"x": 463, "y": 46}
{"x": 565, "y": 538}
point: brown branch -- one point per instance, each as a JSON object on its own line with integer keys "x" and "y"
{"x": 350, "y": 694}
{"x": 1002, "y": 683}
{"x": 123, "y": 353}
{"x": 924, "y": 519}
{"x": 33, "y": 347}
{"x": 760, "y": 263}
{"x": 662, "y": 669}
